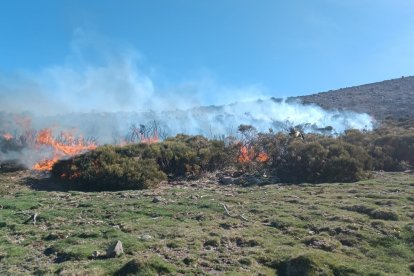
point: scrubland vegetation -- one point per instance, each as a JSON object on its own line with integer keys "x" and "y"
{"x": 314, "y": 159}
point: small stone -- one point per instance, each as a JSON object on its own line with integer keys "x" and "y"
{"x": 115, "y": 250}
{"x": 311, "y": 232}
{"x": 146, "y": 237}
{"x": 157, "y": 199}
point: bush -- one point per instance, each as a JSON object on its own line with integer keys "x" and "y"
{"x": 107, "y": 169}
{"x": 395, "y": 149}
{"x": 326, "y": 160}
{"x": 141, "y": 166}
{"x": 186, "y": 155}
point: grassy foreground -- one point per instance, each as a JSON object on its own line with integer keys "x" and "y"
{"x": 326, "y": 229}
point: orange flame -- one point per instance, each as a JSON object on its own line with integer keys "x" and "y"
{"x": 150, "y": 140}
{"x": 7, "y": 136}
{"x": 263, "y": 157}
{"x": 69, "y": 147}
{"x": 247, "y": 155}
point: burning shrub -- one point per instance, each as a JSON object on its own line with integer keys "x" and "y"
{"x": 108, "y": 169}
{"x": 141, "y": 166}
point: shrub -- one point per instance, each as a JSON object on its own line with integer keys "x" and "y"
{"x": 396, "y": 148}
{"x": 326, "y": 160}
{"x": 186, "y": 155}
{"x": 141, "y": 166}
{"x": 107, "y": 169}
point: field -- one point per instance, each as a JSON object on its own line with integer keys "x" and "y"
{"x": 184, "y": 228}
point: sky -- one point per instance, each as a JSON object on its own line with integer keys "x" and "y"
{"x": 206, "y": 52}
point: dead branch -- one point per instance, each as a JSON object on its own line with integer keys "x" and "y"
{"x": 225, "y": 209}
{"x": 241, "y": 216}
{"x": 32, "y": 218}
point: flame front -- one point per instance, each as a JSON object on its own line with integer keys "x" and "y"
{"x": 7, "y": 136}
{"x": 151, "y": 139}
{"x": 263, "y": 157}
{"x": 247, "y": 154}
{"x": 67, "y": 146}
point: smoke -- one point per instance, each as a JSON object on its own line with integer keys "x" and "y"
{"x": 102, "y": 88}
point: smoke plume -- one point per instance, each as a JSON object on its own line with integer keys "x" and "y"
{"x": 100, "y": 91}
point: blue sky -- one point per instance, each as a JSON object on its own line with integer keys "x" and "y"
{"x": 269, "y": 47}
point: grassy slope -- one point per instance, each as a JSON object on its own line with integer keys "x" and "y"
{"x": 360, "y": 228}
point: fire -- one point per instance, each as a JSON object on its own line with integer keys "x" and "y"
{"x": 247, "y": 154}
{"x": 7, "y": 136}
{"x": 143, "y": 134}
{"x": 151, "y": 139}
{"x": 67, "y": 146}
{"x": 262, "y": 157}
{"x": 45, "y": 165}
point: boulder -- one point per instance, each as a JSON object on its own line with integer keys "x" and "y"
{"x": 115, "y": 250}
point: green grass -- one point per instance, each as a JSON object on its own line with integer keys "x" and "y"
{"x": 316, "y": 229}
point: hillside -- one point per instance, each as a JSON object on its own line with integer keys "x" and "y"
{"x": 393, "y": 98}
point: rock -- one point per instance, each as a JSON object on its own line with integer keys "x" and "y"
{"x": 115, "y": 250}
{"x": 146, "y": 237}
{"x": 157, "y": 199}
{"x": 96, "y": 254}
{"x": 226, "y": 180}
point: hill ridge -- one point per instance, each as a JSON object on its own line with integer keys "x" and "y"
{"x": 390, "y": 98}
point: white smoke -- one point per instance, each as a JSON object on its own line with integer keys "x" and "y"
{"x": 100, "y": 91}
